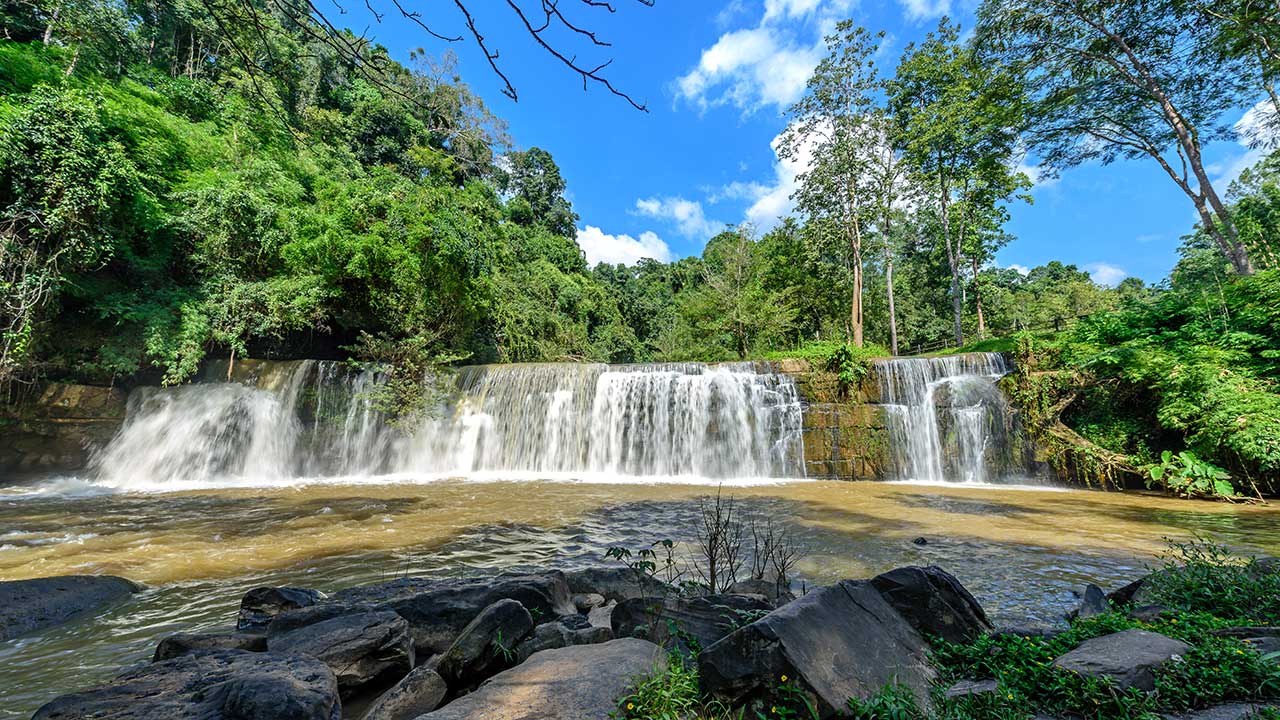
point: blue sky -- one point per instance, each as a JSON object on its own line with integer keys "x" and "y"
{"x": 717, "y": 76}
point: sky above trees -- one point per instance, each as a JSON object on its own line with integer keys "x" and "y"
{"x": 717, "y": 76}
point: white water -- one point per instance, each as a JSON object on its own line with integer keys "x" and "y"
{"x": 946, "y": 417}
{"x": 310, "y": 421}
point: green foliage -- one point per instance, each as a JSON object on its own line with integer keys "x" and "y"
{"x": 1200, "y": 576}
{"x": 1187, "y": 475}
{"x": 893, "y": 702}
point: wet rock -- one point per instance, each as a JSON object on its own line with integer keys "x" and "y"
{"x": 920, "y": 541}
{"x": 291, "y": 620}
{"x": 361, "y": 649}
{"x": 838, "y": 642}
{"x": 260, "y": 605}
{"x": 29, "y": 605}
{"x": 585, "y": 602}
{"x": 582, "y": 682}
{"x": 1030, "y": 630}
{"x": 687, "y": 624}
{"x": 768, "y": 588}
{"x": 485, "y": 646}
{"x": 1129, "y": 658}
{"x": 417, "y": 693}
{"x": 934, "y": 602}
{"x": 616, "y": 583}
{"x": 971, "y": 688}
{"x": 210, "y": 685}
{"x": 565, "y": 633}
{"x": 437, "y": 610}
{"x": 1092, "y": 603}
{"x": 184, "y": 643}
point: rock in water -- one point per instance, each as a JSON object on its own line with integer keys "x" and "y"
{"x": 934, "y": 602}
{"x": 184, "y": 643}
{"x": 485, "y": 646}
{"x": 1129, "y": 658}
{"x": 210, "y": 685}
{"x": 583, "y": 682}
{"x": 687, "y": 624}
{"x": 418, "y": 693}
{"x": 28, "y": 605}
{"x": 437, "y": 610}
{"x": 1092, "y": 604}
{"x": 841, "y": 642}
{"x": 361, "y": 649}
{"x": 260, "y": 605}
{"x": 617, "y": 583}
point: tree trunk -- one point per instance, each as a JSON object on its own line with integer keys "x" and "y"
{"x": 48, "y": 29}
{"x": 855, "y": 309}
{"x": 888, "y": 278}
{"x": 953, "y": 261}
{"x": 977, "y": 300}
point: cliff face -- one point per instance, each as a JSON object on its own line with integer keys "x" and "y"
{"x": 846, "y": 433}
{"x": 57, "y": 430}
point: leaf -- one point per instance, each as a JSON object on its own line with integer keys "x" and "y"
{"x": 1166, "y": 457}
{"x": 1224, "y": 488}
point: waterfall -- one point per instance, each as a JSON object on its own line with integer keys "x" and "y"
{"x": 283, "y": 422}
{"x": 946, "y": 417}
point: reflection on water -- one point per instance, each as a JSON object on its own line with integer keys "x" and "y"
{"x": 1020, "y": 552}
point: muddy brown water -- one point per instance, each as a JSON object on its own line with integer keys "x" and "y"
{"x": 1020, "y": 551}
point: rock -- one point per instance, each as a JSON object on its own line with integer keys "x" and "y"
{"x": 583, "y": 682}
{"x": 841, "y": 642}
{"x": 603, "y": 615}
{"x": 361, "y": 649}
{"x": 1031, "y": 629}
{"x": 934, "y": 602}
{"x": 485, "y": 646}
{"x": 767, "y": 588}
{"x": 586, "y": 602}
{"x": 291, "y": 620}
{"x": 548, "y": 636}
{"x": 971, "y": 688}
{"x": 183, "y": 643}
{"x": 1230, "y": 711}
{"x": 417, "y": 693}
{"x": 616, "y": 583}
{"x": 437, "y": 610}
{"x": 28, "y": 605}
{"x": 1128, "y": 594}
{"x": 260, "y": 605}
{"x": 1265, "y": 645}
{"x": 1148, "y": 613}
{"x": 210, "y": 685}
{"x": 1092, "y": 603}
{"x": 687, "y": 624}
{"x": 1264, "y": 640}
{"x": 1129, "y": 658}
{"x": 920, "y": 541}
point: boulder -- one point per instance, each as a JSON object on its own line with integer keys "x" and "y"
{"x": 934, "y": 602}
{"x": 417, "y": 693}
{"x": 687, "y": 624}
{"x": 1129, "y": 658}
{"x": 29, "y": 605}
{"x": 616, "y": 583}
{"x": 1263, "y": 639}
{"x": 840, "y": 642}
{"x": 183, "y": 643}
{"x": 1148, "y": 613}
{"x": 1134, "y": 593}
{"x": 777, "y": 595}
{"x": 437, "y": 610}
{"x": 565, "y": 633}
{"x": 363, "y": 648}
{"x": 210, "y": 685}
{"x": 291, "y": 620}
{"x": 586, "y": 602}
{"x": 583, "y": 682}
{"x": 603, "y": 616}
{"x": 1092, "y": 603}
{"x": 971, "y": 688}
{"x": 260, "y": 605}
{"x": 485, "y": 646}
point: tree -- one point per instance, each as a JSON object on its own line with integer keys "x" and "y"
{"x": 833, "y": 124}
{"x": 892, "y": 186}
{"x": 731, "y": 307}
{"x": 1112, "y": 80}
{"x": 537, "y": 189}
{"x": 1244, "y": 32}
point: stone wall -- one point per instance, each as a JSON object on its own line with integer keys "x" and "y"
{"x": 58, "y": 428}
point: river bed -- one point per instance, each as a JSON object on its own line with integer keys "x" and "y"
{"x": 1020, "y": 551}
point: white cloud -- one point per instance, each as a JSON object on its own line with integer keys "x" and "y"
{"x": 925, "y": 9}
{"x": 1023, "y": 270}
{"x": 600, "y": 247}
{"x": 771, "y": 201}
{"x": 1106, "y": 274}
{"x": 1256, "y": 130}
{"x": 688, "y": 215}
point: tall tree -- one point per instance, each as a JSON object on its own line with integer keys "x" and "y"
{"x": 889, "y": 177}
{"x": 1113, "y": 80}
{"x": 832, "y": 125}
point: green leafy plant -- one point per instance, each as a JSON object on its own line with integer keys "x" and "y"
{"x": 893, "y": 702}
{"x": 1187, "y": 475}
{"x": 1201, "y": 576}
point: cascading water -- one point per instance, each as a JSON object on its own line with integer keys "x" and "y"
{"x": 318, "y": 419}
{"x": 946, "y": 416}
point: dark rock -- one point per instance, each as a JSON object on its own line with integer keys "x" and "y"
{"x": 210, "y": 685}
{"x": 417, "y": 693}
{"x": 1129, "y": 658}
{"x": 934, "y": 602}
{"x": 971, "y": 688}
{"x": 920, "y": 541}
{"x": 183, "y": 643}
{"x": 1248, "y": 631}
{"x": 1265, "y": 645}
{"x": 616, "y": 583}
{"x": 1126, "y": 595}
{"x": 1148, "y": 613}
{"x": 291, "y": 620}
{"x": 437, "y": 610}
{"x": 687, "y": 624}
{"x": 1030, "y": 629}
{"x": 1092, "y": 603}
{"x": 1230, "y": 711}
{"x": 362, "y": 649}
{"x": 768, "y": 588}
{"x": 585, "y": 602}
{"x": 840, "y": 642}
{"x": 582, "y": 682}
{"x": 260, "y": 605}
{"x": 549, "y": 636}
{"x": 28, "y": 605}
{"x": 485, "y": 646}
